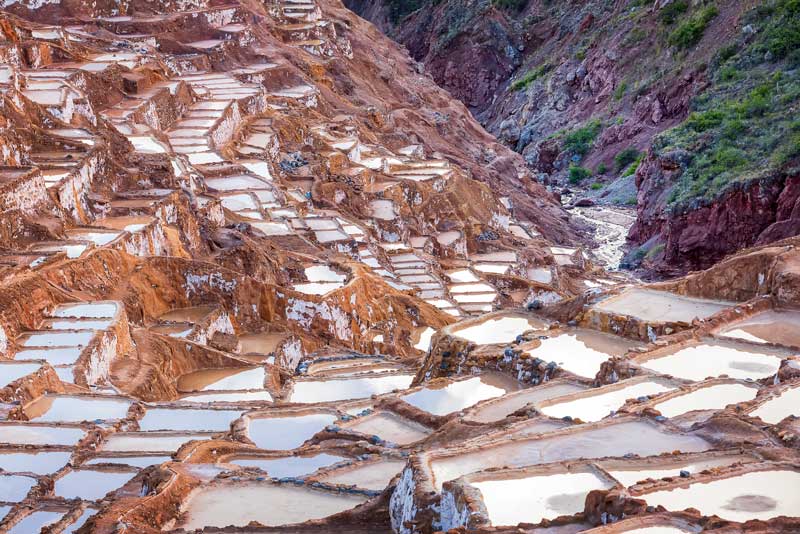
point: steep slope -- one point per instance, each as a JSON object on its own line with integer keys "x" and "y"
{"x": 585, "y": 89}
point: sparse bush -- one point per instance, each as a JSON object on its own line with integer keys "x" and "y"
{"x": 578, "y": 174}
{"x": 529, "y": 77}
{"x": 625, "y": 157}
{"x": 602, "y": 169}
{"x": 620, "y": 91}
{"x": 689, "y": 32}
{"x": 673, "y": 11}
{"x": 580, "y": 141}
{"x": 596, "y": 186}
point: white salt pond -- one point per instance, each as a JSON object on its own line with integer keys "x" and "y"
{"x": 90, "y": 485}
{"x": 424, "y": 342}
{"x": 317, "y": 288}
{"x": 500, "y": 407}
{"x": 223, "y": 379}
{"x": 756, "y": 495}
{"x": 661, "y": 306}
{"x": 714, "y": 397}
{"x": 134, "y": 461}
{"x": 530, "y": 500}
{"x": 76, "y": 409}
{"x": 187, "y": 420}
{"x": 452, "y": 397}
{"x": 596, "y": 404}
{"x": 85, "y": 515}
{"x": 147, "y": 144}
{"x": 31, "y": 434}
{"x": 289, "y": 432}
{"x": 233, "y": 396}
{"x": 629, "y": 473}
{"x": 606, "y": 440}
{"x": 778, "y": 408}
{"x": 712, "y": 359}
{"x": 502, "y": 330}
{"x": 383, "y": 209}
{"x": 57, "y": 339}
{"x": 12, "y": 371}
{"x": 369, "y": 475}
{"x": 581, "y": 351}
{"x": 35, "y": 522}
{"x": 781, "y": 327}
{"x": 309, "y": 391}
{"x": 289, "y": 466}
{"x": 36, "y": 462}
{"x": 14, "y": 488}
{"x": 323, "y": 273}
{"x": 463, "y": 276}
{"x": 148, "y": 442}
{"x": 390, "y": 427}
{"x": 238, "y": 504}
{"x": 89, "y": 310}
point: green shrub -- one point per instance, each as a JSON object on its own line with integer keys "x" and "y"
{"x": 578, "y": 174}
{"x": 673, "y": 11}
{"x": 654, "y": 251}
{"x": 596, "y": 186}
{"x": 620, "y": 91}
{"x": 580, "y": 141}
{"x": 602, "y": 169}
{"x": 634, "y": 166}
{"x": 689, "y": 32}
{"x": 529, "y": 77}
{"x": 625, "y": 157}
{"x": 702, "y": 121}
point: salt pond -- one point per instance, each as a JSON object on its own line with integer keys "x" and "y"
{"x": 714, "y": 397}
{"x": 308, "y": 391}
{"x": 289, "y": 466}
{"x": 288, "y": 432}
{"x": 221, "y": 505}
{"x": 712, "y": 359}
{"x": 529, "y": 500}
{"x": 452, "y": 397}
{"x": 757, "y": 495}
{"x": 501, "y": 330}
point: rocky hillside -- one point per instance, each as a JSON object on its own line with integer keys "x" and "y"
{"x": 686, "y": 109}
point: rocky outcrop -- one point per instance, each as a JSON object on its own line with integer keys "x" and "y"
{"x": 697, "y": 235}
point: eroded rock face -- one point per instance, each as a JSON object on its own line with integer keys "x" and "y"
{"x": 250, "y": 255}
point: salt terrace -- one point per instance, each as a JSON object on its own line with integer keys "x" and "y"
{"x": 244, "y": 290}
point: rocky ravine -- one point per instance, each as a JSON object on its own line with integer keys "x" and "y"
{"x": 584, "y": 90}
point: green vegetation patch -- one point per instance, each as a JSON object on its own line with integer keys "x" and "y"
{"x": 578, "y": 174}
{"x": 580, "y": 141}
{"x": 529, "y": 77}
{"x": 689, "y": 32}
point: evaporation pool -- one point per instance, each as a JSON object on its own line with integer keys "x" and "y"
{"x": 288, "y": 466}
{"x": 778, "y": 408}
{"x": 372, "y": 476}
{"x": 288, "y": 432}
{"x": 713, "y": 359}
{"x": 581, "y": 351}
{"x": 238, "y": 504}
{"x": 532, "y": 499}
{"x": 598, "y": 442}
{"x": 597, "y": 404}
{"x": 758, "y": 495}
{"x": 501, "y": 407}
{"x": 310, "y": 391}
{"x": 390, "y": 427}
{"x": 501, "y": 330}
{"x": 453, "y": 397}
